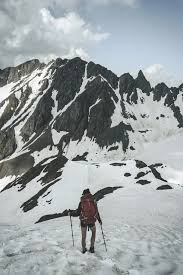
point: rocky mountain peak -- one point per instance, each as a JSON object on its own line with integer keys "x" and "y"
{"x": 160, "y": 90}
{"x": 77, "y": 101}
{"x": 142, "y": 83}
{"x": 14, "y": 74}
{"x": 126, "y": 82}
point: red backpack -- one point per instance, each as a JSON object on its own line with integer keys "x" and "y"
{"x": 88, "y": 210}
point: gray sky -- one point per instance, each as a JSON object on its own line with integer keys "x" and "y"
{"x": 123, "y": 35}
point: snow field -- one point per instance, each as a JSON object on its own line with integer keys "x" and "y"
{"x": 143, "y": 233}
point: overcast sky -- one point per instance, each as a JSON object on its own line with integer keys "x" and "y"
{"x": 123, "y": 35}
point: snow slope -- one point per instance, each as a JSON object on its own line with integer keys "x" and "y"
{"x": 168, "y": 151}
{"x": 143, "y": 230}
{"x": 143, "y": 226}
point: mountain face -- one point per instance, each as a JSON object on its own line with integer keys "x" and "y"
{"x": 73, "y": 110}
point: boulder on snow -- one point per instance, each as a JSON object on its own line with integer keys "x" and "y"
{"x": 141, "y": 174}
{"x": 107, "y": 190}
{"x": 80, "y": 158}
{"x": 140, "y": 164}
{"x": 113, "y": 148}
{"x": 127, "y": 174}
{"x": 164, "y": 187}
{"x": 118, "y": 164}
{"x": 143, "y": 182}
{"x": 156, "y": 173}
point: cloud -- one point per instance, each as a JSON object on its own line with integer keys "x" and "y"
{"x": 29, "y": 29}
{"x": 130, "y": 3}
{"x": 157, "y": 73}
{"x": 75, "y": 4}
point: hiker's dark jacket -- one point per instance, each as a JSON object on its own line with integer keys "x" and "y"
{"x": 77, "y": 212}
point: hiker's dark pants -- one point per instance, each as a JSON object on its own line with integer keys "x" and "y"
{"x": 83, "y": 232}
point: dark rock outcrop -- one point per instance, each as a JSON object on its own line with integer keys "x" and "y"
{"x": 143, "y": 182}
{"x": 164, "y": 187}
{"x": 81, "y": 158}
{"x": 7, "y": 143}
{"x": 16, "y": 166}
{"x": 96, "y": 69}
{"x": 67, "y": 81}
{"x": 160, "y": 90}
{"x": 9, "y": 110}
{"x": 51, "y": 170}
{"x": 40, "y": 117}
{"x": 127, "y": 174}
{"x": 156, "y": 173}
{"x": 141, "y": 174}
{"x": 13, "y": 74}
{"x": 33, "y": 202}
{"x": 118, "y": 164}
{"x": 127, "y": 86}
{"x": 113, "y": 148}
{"x": 140, "y": 164}
{"x": 142, "y": 83}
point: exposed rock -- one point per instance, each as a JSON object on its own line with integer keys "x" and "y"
{"x": 23, "y": 69}
{"x": 4, "y": 76}
{"x": 118, "y": 133}
{"x": 143, "y": 182}
{"x": 118, "y": 164}
{"x": 160, "y": 90}
{"x": 113, "y": 148}
{"x": 13, "y": 74}
{"x": 105, "y": 191}
{"x": 52, "y": 172}
{"x": 52, "y": 216}
{"x": 33, "y": 202}
{"x": 45, "y": 84}
{"x": 141, "y": 174}
{"x": 23, "y": 99}
{"x": 157, "y": 165}
{"x": 142, "y": 83}
{"x": 178, "y": 115}
{"x": 9, "y": 110}
{"x": 127, "y": 174}
{"x": 96, "y": 69}
{"x": 127, "y": 86}
{"x": 7, "y": 143}
{"x": 79, "y": 117}
{"x": 67, "y": 81}
{"x": 40, "y": 118}
{"x": 164, "y": 187}
{"x": 80, "y": 158}
{"x": 140, "y": 164}
{"x": 156, "y": 173}
{"x": 16, "y": 166}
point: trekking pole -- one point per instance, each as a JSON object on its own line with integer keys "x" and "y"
{"x": 71, "y": 229}
{"x": 103, "y": 237}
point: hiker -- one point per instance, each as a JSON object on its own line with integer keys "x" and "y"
{"x": 88, "y": 214}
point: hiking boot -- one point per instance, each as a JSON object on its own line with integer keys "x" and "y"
{"x": 92, "y": 250}
{"x": 84, "y": 250}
